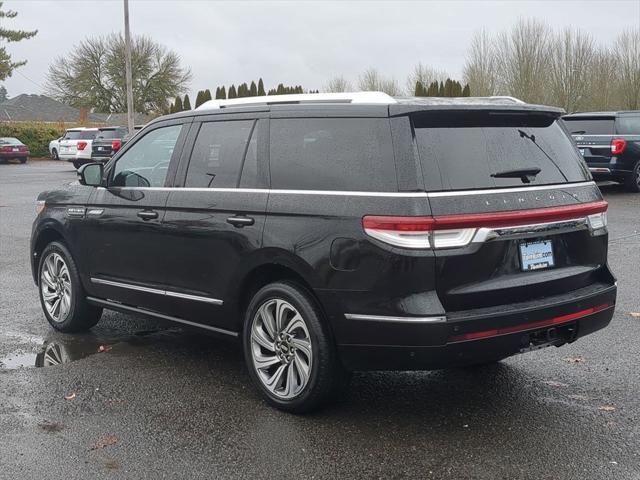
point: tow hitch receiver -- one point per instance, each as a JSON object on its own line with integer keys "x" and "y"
{"x": 547, "y": 337}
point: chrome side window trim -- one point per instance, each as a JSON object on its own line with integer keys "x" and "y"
{"x": 452, "y": 193}
{"x": 383, "y": 318}
{"x": 157, "y": 291}
{"x": 460, "y": 193}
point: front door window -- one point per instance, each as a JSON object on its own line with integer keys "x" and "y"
{"x": 146, "y": 163}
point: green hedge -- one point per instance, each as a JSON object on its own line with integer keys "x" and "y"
{"x": 35, "y": 135}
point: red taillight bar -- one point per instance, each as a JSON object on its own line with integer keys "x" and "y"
{"x": 398, "y": 224}
{"x": 529, "y": 326}
{"x": 618, "y": 145}
{"x": 477, "y": 220}
{"x": 116, "y": 144}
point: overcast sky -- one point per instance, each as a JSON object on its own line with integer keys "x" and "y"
{"x": 295, "y": 42}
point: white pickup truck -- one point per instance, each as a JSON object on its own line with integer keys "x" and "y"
{"x": 75, "y": 146}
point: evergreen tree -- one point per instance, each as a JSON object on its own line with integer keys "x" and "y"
{"x": 447, "y": 88}
{"x": 253, "y": 89}
{"x": 199, "y": 100}
{"x": 232, "y": 92}
{"x": 186, "y": 105}
{"x": 177, "y": 105}
{"x": 466, "y": 91}
{"x": 441, "y": 89}
{"x": 223, "y": 93}
{"x": 261, "y": 91}
{"x": 7, "y": 65}
{"x": 206, "y": 95}
{"x": 457, "y": 89}
{"x": 433, "y": 89}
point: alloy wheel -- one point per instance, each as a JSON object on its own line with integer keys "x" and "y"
{"x": 281, "y": 348}
{"x": 55, "y": 287}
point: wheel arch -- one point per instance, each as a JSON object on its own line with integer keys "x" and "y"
{"x": 50, "y": 232}
{"x": 273, "y": 267}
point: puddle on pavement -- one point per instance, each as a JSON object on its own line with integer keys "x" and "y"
{"x": 59, "y": 348}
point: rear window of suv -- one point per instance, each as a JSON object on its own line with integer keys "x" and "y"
{"x": 110, "y": 133}
{"x": 349, "y": 154}
{"x": 589, "y": 126}
{"x": 80, "y": 135}
{"x": 466, "y": 150}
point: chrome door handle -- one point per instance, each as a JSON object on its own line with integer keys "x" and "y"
{"x": 148, "y": 214}
{"x": 240, "y": 221}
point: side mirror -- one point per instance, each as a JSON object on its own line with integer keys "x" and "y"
{"x": 91, "y": 174}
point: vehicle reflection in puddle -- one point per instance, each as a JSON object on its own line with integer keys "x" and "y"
{"x": 60, "y": 348}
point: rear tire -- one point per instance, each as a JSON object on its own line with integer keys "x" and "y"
{"x": 289, "y": 352}
{"x": 23, "y": 159}
{"x": 633, "y": 181}
{"x": 77, "y": 165}
{"x": 62, "y": 297}
{"x": 54, "y": 154}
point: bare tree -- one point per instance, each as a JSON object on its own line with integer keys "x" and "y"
{"x": 371, "y": 80}
{"x": 480, "y": 66}
{"x": 523, "y": 60}
{"x": 338, "y": 84}
{"x": 572, "y": 54}
{"x": 602, "y": 85}
{"x": 424, "y": 74}
{"x": 626, "y": 51}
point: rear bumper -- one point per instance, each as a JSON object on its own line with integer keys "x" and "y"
{"x": 609, "y": 170}
{"x": 10, "y": 155}
{"x": 478, "y": 336}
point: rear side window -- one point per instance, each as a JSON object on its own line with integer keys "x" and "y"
{"x": 628, "y": 125}
{"x": 218, "y": 152}
{"x": 589, "y": 126}
{"x": 474, "y": 150}
{"x": 351, "y": 154}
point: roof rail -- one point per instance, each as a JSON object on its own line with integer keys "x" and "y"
{"x": 306, "y": 98}
{"x": 506, "y": 97}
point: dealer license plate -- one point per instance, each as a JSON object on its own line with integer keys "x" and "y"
{"x": 536, "y": 255}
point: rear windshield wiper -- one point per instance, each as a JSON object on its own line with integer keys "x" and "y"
{"x": 533, "y": 140}
{"x": 524, "y": 174}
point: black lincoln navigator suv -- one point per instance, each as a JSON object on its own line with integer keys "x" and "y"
{"x": 339, "y": 232}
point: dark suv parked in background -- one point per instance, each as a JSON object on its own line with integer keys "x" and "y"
{"x": 338, "y": 232}
{"x": 108, "y": 141}
{"x": 610, "y": 144}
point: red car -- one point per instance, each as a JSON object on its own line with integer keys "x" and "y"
{"x": 13, "y": 148}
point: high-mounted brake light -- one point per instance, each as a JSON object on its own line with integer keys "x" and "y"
{"x": 618, "y": 145}
{"x": 82, "y": 145}
{"x": 116, "y": 144}
{"x": 450, "y": 231}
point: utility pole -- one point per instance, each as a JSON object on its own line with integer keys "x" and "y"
{"x": 127, "y": 62}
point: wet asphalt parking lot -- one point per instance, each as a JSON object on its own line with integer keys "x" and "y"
{"x": 165, "y": 403}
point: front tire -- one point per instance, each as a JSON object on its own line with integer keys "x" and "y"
{"x": 633, "y": 181}
{"x": 62, "y": 297}
{"x": 288, "y": 350}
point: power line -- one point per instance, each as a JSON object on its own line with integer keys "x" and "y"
{"x": 32, "y": 81}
